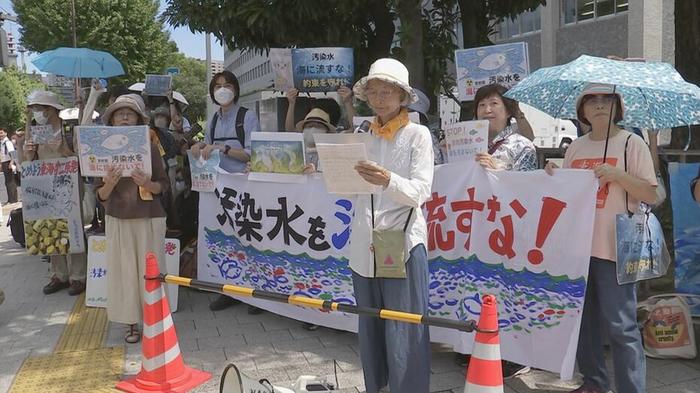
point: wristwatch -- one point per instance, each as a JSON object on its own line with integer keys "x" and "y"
{"x": 226, "y": 149}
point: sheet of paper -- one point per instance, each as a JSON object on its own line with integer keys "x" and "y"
{"x": 338, "y": 162}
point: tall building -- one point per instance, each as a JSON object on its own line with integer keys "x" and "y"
{"x": 216, "y": 66}
{"x": 63, "y": 86}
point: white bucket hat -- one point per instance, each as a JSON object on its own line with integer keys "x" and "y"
{"x": 44, "y": 97}
{"x": 597, "y": 88}
{"x": 131, "y": 101}
{"x": 387, "y": 70}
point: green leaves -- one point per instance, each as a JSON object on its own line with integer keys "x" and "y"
{"x": 14, "y": 88}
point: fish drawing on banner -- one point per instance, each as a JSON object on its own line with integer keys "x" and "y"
{"x": 104, "y": 145}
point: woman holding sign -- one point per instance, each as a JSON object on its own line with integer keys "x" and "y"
{"x": 388, "y": 257}
{"x": 67, "y": 271}
{"x": 508, "y": 148}
{"x": 625, "y": 172}
{"x": 135, "y": 221}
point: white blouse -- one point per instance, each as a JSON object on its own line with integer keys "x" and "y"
{"x": 409, "y": 157}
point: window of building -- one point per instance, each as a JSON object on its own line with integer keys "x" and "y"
{"x": 527, "y": 22}
{"x": 573, "y": 11}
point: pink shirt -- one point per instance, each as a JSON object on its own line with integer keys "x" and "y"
{"x": 585, "y": 153}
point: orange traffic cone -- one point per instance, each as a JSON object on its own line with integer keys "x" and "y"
{"x": 162, "y": 367}
{"x": 484, "y": 372}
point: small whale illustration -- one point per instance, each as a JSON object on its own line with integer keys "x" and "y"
{"x": 493, "y": 62}
{"x": 115, "y": 142}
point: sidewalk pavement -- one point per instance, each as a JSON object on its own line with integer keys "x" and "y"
{"x": 262, "y": 346}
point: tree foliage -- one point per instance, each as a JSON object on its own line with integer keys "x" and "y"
{"x": 14, "y": 89}
{"x": 192, "y": 83}
{"x": 426, "y": 30}
{"x": 128, "y": 29}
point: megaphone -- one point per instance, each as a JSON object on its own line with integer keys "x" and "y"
{"x": 234, "y": 381}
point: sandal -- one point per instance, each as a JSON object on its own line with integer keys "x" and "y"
{"x": 133, "y": 335}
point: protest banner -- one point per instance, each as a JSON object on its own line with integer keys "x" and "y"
{"x": 322, "y": 69}
{"x": 127, "y": 148}
{"x": 277, "y": 157}
{"x": 158, "y": 85}
{"x": 686, "y": 230}
{"x": 51, "y": 207}
{"x": 96, "y": 285}
{"x": 464, "y": 140}
{"x": 522, "y": 236}
{"x": 204, "y": 172}
{"x": 505, "y": 64}
{"x": 42, "y": 135}
{"x": 281, "y": 64}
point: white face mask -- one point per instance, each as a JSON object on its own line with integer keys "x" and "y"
{"x": 40, "y": 118}
{"x": 160, "y": 122}
{"x": 309, "y": 135}
{"x": 224, "y": 95}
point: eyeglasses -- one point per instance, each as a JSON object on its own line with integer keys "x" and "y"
{"x": 381, "y": 94}
{"x": 125, "y": 114}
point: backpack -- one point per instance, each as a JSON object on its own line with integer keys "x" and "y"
{"x": 240, "y": 131}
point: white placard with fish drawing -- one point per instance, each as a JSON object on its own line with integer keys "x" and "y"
{"x": 96, "y": 286}
{"x": 51, "y": 207}
{"x": 466, "y": 139}
{"x": 505, "y": 64}
{"x": 128, "y": 148}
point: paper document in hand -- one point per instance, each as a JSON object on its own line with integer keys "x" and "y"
{"x": 338, "y": 162}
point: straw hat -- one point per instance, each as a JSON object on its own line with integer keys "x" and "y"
{"x": 43, "y": 97}
{"x": 387, "y": 70}
{"x": 594, "y": 89}
{"x": 131, "y": 101}
{"x": 316, "y": 115}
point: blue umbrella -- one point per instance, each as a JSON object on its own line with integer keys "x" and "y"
{"x": 655, "y": 94}
{"x": 79, "y": 63}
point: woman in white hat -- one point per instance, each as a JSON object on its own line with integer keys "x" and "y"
{"x": 607, "y": 303}
{"x": 67, "y": 271}
{"x": 135, "y": 220}
{"x": 393, "y": 353}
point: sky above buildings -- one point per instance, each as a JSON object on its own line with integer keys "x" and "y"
{"x": 191, "y": 44}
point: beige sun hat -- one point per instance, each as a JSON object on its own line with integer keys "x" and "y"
{"x": 131, "y": 101}
{"x": 316, "y": 115}
{"x": 387, "y": 70}
{"x": 594, "y": 89}
{"x": 44, "y": 97}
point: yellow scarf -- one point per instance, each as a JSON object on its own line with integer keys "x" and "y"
{"x": 389, "y": 130}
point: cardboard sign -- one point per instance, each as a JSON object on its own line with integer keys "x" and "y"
{"x": 96, "y": 286}
{"x": 322, "y": 69}
{"x": 128, "y": 148}
{"x": 466, "y": 139}
{"x": 158, "y": 85}
{"x": 43, "y": 135}
{"x": 51, "y": 207}
{"x": 505, "y": 64}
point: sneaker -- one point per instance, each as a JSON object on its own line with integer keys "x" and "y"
{"x": 222, "y": 302}
{"x": 55, "y": 285}
{"x": 252, "y": 310}
{"x": 588, "y": 389}
{"x": 76, "y": 288}
{"x": 511, "y": 370}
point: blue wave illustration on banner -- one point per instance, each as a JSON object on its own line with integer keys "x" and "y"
{"x": 528, "y": 300}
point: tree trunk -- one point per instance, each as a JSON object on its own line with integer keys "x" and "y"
{"x": 409, "y": 12}
{"x": 475, "y": 27}
{"x": 687, "y": 24}
{"x": 379, "y": 43}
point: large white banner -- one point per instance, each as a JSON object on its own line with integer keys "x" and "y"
{"x": 524, "y": 237}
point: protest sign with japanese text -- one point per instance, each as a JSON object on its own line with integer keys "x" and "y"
{"x": 126, "y": 147}
{"x": 158, "y": 85}
{"x": 464, "y": 140}
{"x": 204, "y": 172}
{"x": 96, "y": 284}
{"x": 524, "y": 237}
{"x": 51, "y": 207}
{"x": 505, "y": 64}
{"x": 42, "y": 135}
{"x": 322, "y": 69}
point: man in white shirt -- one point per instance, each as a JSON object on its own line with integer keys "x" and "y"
{"x": 8, "y": 166}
